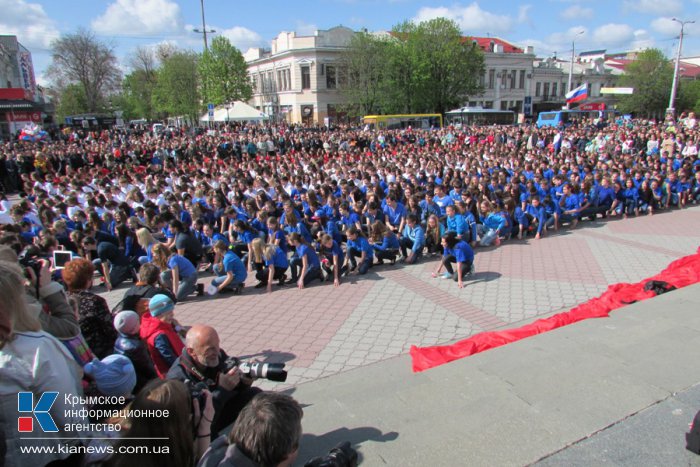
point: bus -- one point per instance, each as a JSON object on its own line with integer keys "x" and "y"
{"x": 469, "y": 116}
{"x": 557, "y": 118}
{"x": 402, "y": 121}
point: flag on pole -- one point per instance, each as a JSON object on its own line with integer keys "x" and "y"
{"x": 578, "y": 94}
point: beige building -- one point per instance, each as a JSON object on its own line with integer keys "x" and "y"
{"x": 299, "y": 77}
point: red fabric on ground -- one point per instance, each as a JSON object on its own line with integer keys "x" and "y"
{"x": 680, "y": 273}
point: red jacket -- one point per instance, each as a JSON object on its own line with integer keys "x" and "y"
{"x": 151, "y": 328}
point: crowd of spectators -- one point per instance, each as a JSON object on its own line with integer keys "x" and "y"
{"x": 284, "y": 204}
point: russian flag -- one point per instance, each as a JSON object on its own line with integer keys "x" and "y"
{"x": 578, "y": 94}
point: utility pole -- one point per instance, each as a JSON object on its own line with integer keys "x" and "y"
{"x": 671, "y": 103}
{"x": 571, "y": 65}
{"x": 204, "y": 29}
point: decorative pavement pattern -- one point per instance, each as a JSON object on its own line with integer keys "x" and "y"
{"x": 323, "y": 330}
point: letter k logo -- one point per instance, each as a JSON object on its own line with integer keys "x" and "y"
{"x": 25, "y": 404}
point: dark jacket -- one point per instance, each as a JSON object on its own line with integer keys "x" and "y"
{"x": 134, "y": 348}
{"x": 222, "y": 454}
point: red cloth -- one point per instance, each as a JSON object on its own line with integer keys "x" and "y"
{"x": 150, "y": 329}
{"x": 680, "y": 273}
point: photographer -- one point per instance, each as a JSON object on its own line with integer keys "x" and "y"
{"x": 266, "y": 433}
{"x": 204, "y": 362}
{"x": 51, "y": 307}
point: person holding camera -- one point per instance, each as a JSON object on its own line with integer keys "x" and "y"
{"x": 203, "y": 364}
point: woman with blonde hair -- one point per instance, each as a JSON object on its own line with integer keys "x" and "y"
{"x": 32, "y": 360}
{"x": 276, "y": 265}
{"x": 145, "y": 239}
{"x": 177, "y": 272}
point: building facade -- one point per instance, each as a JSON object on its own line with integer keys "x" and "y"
{"x": 299, "y": 77}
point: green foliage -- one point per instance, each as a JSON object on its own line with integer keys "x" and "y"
{"x": 688, "y": 97}
{"x": 137, "y": 95}
{"x": 71, "y": 101}
{"x": 176, "y": 89}
{"x": 422, "y": 68}
{"x": 223, "y": 73}
{"x": 650, "y": 76}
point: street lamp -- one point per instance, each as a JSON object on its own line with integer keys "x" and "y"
{"x": 571, "y": 65}
{"x": 671, "y": 109}
{"x": 204, "y": 29}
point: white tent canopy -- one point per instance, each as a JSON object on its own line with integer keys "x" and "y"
{"x": 236, "y": 112}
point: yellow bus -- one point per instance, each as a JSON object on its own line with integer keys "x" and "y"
{"x": 402, "y": 121}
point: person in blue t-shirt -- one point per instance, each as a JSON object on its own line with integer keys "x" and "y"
{"x": 385, "y": 243}
{"x": 358, "y": 247}
{"x": 459, "y": 252}
{"x": 177, "y": 272}
{"x": 413, "y": 237}
{"x": 305, "y": 265}
{"x": 442, "y": 200}
{"x": 333, "y": 259}
{"x": 276, "y": 265}
{"x": 630, "y": 199}
{"x": 230, "y": 273}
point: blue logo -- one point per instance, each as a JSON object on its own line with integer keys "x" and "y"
{"x": 25, "y": 404}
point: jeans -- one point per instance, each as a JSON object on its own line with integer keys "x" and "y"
{"x": 487, "y": 235}
{"x": 263, "y": 274}
{"x": 186, "y": 287}
{"x": 466, "y": 267}
{"x": 366, "y": 264}
{"x": 312, "y": 272}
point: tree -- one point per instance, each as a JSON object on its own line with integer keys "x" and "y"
{"x": 650, "y": 76}
{"x": 223, "y": 73}
{"x": 688, "y": 97}
{"x": 71, "y": 101}
{"x": 80, "y": 59}
{"x": 136, "y": 99}
{"x": 176, "y": 91}
{"x": 365, "y": 63}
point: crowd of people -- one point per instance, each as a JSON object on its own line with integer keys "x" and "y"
{"x": 285, "y": 204}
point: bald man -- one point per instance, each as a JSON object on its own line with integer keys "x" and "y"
{"x": 203, "y": 361}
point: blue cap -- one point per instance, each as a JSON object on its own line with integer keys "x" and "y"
{"x": 114, "y": 375}
{"x": 160, "y": 304}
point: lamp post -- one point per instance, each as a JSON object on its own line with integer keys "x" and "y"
{"x": 571, "y": 65}
{"x": 204, "y": 29}
{"x": 671, "y": 103}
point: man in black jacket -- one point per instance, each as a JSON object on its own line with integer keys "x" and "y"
{"x": 204, "y": 362}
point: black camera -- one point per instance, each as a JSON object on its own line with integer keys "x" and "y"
{"x": 270, "y": 371}
{"x": 197, "y": 393}
{"x": 27, "y": 260}
{"x": 340, "y": 456}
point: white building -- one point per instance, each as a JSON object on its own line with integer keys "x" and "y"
{"x": 298, "y": 78}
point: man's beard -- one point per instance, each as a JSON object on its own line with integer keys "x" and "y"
{"x": 212, "y": 362}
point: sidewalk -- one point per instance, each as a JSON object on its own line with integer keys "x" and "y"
{"x": 628, "y": 382}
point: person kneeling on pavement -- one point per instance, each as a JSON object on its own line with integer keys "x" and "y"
{"x": 204, "y": 362}
{"x": 456, "y": 251}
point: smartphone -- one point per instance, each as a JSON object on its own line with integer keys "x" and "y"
{"x": 60, "y": 258}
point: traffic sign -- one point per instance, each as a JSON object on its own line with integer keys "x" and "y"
{"x": 210, "y": 107}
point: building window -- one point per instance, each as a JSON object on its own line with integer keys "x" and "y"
{"x": 513, "y": 75}
{"x": 518, "y": 106}
{"x": 492, "y": 78}
{"x": 537, "y": 89}
{"x": 521, "y": 84}
{"x": 488, "y": 104}
{"x": 545, "y": 92}
{"x": 342, "y": 76}
{"x": 504, "y": 79}
{"x": 306, "y": 77}
{"x": 504, "y": 105}
{"x": 472, "y": 104}
{"x": 330, "y": 77}
{"x": 554, "y": 89}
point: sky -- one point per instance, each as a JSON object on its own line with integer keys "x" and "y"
{"x": 548, "y": 25}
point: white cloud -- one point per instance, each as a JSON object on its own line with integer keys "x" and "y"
{"x": 305, "y": 29}
{"x": 140, "y": 17}
{"x": 29, "y": 22}
{"x": 471, "y": 19}
{"x": 577, "y": 12}
{"x": 241, "y": 37}
{"x": 654, "y": 7}
{"x": 524, "y": 14}
{"x": 668, "y": 27}
{"x": 613, "y": 35}
{"x": 642, "y": 40}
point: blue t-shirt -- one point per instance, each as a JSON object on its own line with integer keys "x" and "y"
{"x": 462, "y": 252}
{"x": 336, "y": 251}
{"x": 312, "y": 260}
{"x": 361, "y": 244}
{"x": 184, "y": 266}
{"x": 247, "y": 236}
{"x": 278, "y": 260}
{"x": 233, "y": 264}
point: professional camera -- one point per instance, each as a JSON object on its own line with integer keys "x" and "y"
{"x": 197, "y": 393}
{"x": 270, "y": 371}
{"x": 340, "y": 456}
{"x": 28, "y": 260}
